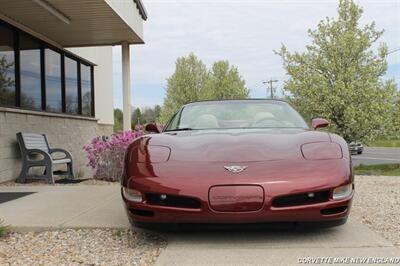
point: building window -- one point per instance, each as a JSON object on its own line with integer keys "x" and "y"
{"x": 53, "y": 81}
{"x": 31, "y": 82}
{"x": 37, "y": 76}
{"x": 71, "y": 86}
{"x": 7, "y": 67}
{"x": 86, "y": 90}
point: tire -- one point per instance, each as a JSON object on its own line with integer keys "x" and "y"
{"x": 359, "y": 152}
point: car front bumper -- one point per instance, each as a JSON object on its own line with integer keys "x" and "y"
{"x": 324, "y": 211}
{"x": 276, "y": 179}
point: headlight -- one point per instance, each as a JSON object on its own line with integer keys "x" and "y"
{"x": 321, "y": 151}
{"x": 132, "y": 194}
{"x": 342, "y": 192}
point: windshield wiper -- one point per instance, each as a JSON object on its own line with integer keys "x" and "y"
{"x": 181, "y": 129}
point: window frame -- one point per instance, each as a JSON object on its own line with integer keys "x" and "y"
{"x": 64, "y": 53}
{"x": 91, "y": 70}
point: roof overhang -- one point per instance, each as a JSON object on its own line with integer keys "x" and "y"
{"x": 76, "y": 23}
{"x": 142, "y": 9}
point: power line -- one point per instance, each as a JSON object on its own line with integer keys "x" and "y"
{"x": 393, "y": 50}
{"x": 271, "y": 87}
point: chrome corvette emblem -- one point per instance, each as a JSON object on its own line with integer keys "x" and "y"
{"x": 235, "y": 168}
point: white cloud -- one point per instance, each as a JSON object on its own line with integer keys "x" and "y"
{"x": 243, "y": 32}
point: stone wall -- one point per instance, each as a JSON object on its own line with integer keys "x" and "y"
{"x": 62, "y": 131}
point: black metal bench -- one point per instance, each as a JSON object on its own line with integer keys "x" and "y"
{"x": 35, "y": 151}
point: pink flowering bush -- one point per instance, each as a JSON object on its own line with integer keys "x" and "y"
{"x": 106, "y": 155}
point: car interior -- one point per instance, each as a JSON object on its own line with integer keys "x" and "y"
{"x": 261, "y": 119}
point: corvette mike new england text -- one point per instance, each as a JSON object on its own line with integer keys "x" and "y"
{"x": 348, "y": 260}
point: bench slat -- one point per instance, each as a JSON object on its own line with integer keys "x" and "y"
{"x": 35, "y": 141}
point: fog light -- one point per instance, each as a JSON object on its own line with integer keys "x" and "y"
{"x": 132, "y": 194}
{"x": 163, "y": 196}
{"x": 342, "y": 192}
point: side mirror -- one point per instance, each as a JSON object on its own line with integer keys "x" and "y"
{"x": 152, "y": 127}
{"x": 319, "y": 122}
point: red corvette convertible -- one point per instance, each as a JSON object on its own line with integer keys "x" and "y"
{"x": 238, "y": 161}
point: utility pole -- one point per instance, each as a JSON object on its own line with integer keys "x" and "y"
{"x": 271, "y": 88}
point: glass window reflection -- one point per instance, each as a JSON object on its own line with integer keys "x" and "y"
{"x": 7, "y": 67}
{"x": 53, "y": 81}
{"x": 71, "y": 86}
{"x": 86, "y": 87}
{"x": 30, "y": 73}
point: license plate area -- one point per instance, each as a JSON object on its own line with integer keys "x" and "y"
{"x": 236, "y": 198}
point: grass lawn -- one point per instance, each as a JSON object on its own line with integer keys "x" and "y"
{"x": 389, "y": 142}
{"x": 378, "y": 169}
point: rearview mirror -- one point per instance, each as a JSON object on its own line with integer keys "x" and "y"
{"x": 152, "y": 127}
{"x": 319, "y": 122}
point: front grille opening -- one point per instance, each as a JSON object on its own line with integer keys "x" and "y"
{"x": 301, "y": 199}
{"x": 141, "y": 212}
{"x": 172, "y": 201}
{"x": 335, "y": 210}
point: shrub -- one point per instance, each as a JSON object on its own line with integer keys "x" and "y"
{"x": 106, "y": 154}
{"x": 3, "y": 229}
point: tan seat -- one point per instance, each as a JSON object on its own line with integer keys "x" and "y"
{"x": 205, "y": 121}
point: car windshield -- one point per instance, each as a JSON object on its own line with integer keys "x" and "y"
{"x": 236, "y": 114}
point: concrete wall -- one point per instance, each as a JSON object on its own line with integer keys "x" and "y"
{"x": 62, "y": 131}
{"x": 103, "y": 80}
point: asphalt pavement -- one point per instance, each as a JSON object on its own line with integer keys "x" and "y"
{"x": 375, "y": 155}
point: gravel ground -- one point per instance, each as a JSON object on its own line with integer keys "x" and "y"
{"x": 377, "y": 204}
{"x": 81, "y": 247}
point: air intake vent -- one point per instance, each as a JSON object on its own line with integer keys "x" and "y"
{"x": 301, "y": 199}
{"x": 172, "y": 201}
{"x": 336, "y": 210}
{"x": 141, "y": 212}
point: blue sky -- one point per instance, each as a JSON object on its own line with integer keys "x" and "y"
{"x": 243, "y": 32}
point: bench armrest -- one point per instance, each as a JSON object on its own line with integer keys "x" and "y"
{"x": 46, "y": 156}
{"x": 67, "y": 153}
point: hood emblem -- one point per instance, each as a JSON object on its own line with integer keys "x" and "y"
{"x": 235, "y": 168}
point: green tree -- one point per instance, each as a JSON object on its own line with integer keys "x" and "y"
{"x": 151, "y": 114}
{"x": 157, "y": 112}
{"x": 137, "y": 118}
{"x": 118, "y": 120}
{"x": 192, "y": 81}
{"x": 224, "y": 82}
{"x": 184, "y": 85}
{"x": 339, "y": 76}
{"x": 396, "y": 116}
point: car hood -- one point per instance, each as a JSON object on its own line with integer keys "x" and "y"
{"x": 235, "y": 145}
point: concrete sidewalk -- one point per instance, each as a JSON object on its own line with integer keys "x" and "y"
{"x": 94, "y": 206}
{"x": 269, "y": 247}
{"x": 70, "y": 206}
